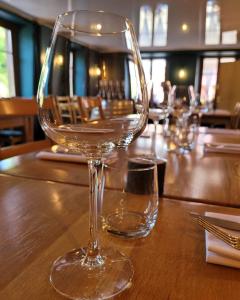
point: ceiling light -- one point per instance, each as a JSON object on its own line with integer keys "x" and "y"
{"x": 182, "y": 74}
{"x": 185, "y": 27}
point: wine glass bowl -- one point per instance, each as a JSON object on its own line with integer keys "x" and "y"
{"x": 86, "y": 49}
{"x": 105, "y": 34}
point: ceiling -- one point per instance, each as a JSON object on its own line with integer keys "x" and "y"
{"x": 191, "y": 12}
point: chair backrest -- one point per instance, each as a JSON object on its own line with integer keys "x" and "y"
{"x": 77, "y": 117}
{"x": 87, "y": 105}
{"x": 51, "y": 104}
{"x": 18, "y": 112}
{"x": 65, "y": 108}
{"x": 235, "y": 120}
{"x": 121, "y": 107}
{"x": 18, "y": 107}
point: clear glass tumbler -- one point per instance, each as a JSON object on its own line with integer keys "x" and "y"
{"x": 130, "y": 205}
{"x": 185, "y": 135}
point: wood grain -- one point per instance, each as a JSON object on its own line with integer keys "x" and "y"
{"x": 41, "y": 220}
{"x": 210, "y": 178}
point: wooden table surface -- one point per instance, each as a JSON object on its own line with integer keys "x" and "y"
{"x": 209, "y": 178}
{"x": 217, "y": 117}
{"x": 41, "y": 220}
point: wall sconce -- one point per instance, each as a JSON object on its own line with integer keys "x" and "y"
{"x": 94, "y": 71}
{"x": 185, "y": 27}
{"x": 182, "y": 74}
{"x": 96, "y": 27}
{"x": 58, "y": 60}
{"x": 104, "y": 70}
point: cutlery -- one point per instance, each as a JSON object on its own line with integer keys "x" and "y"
{"x": 231, "y": 240}
{"x": 219, "y": 222}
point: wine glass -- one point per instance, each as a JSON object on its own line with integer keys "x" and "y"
{"x": 87, "y": 47}
{"x": 163, "y": 109}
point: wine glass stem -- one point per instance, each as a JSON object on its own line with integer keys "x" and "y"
{"x": 93, "y": 257}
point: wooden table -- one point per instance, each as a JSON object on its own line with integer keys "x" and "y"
{"x": 217, "y": 117}
{"x": 40, "y": 220}
{"x": 197, "y": 176}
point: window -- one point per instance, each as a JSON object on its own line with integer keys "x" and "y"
{"x": 7, "y": 83}
{"x": 155, "y": 70}
{"x": 148, "y": 35}
{"x": 71, "y": 74}
{"x": 229, "y": 37}
{"x": 133, "y": 80}
{"x": 160, "y": 25}
{"x": 209, "y": 79}
{"x": 212, "y": 30}
{"x": 227, "y": 60}
{"x": 209, "y": 76}
{"x": 147, "y": 69}
{"x": 145, "y": 26}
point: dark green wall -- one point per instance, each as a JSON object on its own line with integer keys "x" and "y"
{"x": 80, "y": 72}
{"x": 114, "y": 65}
{"x": 179, "y": 61}
{"x": 26, "y": 60}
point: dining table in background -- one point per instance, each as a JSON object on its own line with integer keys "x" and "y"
{"x": 217, "y": 117}
{"x": 212, "y": 178}
{"x": 40, "y": 220}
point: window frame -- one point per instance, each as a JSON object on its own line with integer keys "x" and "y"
{"x": 218, "y": 57}
{"x": 152, "y": 23}
{"x": 220, "y": 27}
{"x": 151, "y": 58}
{"x": 153, "y": 11}
{"x": 154, "y": 19}
{"x": 14, "y": 33}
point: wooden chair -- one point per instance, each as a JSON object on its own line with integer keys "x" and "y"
{"x": 87, "y": 105}
{"x": 120, "y": 107}
{"x": 77, "y": 117}
{"x": 50, "y": 103}
{"x": 19, "y": 112}
{"x": 16, "y": 113}
{"x": 235, "y": 119}
{"x": 65, "y": 109}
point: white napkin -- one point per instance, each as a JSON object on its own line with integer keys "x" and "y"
{"x": 49, "y": 155}
{"x": 217, "y": 251}
{"x": 222, "y": 148}
{"x": 219, "y": 131}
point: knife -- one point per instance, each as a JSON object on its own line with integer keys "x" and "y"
{"x": 219, "y": 222}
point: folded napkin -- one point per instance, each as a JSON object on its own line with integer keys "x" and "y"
{"x": 217, "y": 251}
{"x": 222, "y": 148}
{"x": 219, "y": 131}
{"x": 68, "y": 157}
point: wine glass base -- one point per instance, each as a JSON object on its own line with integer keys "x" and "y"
{"x": 74, "y": 280}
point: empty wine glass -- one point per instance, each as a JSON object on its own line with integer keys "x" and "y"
{"x": 87, "y": 47}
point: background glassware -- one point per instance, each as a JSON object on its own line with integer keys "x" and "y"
{"x": 102, "y": 39}
{"x": 184, "y": 123}
{"x": 130, "y": 204}
{"x": 185, "y": 136}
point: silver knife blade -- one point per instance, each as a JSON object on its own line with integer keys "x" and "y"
{"x": 219, "y": 222}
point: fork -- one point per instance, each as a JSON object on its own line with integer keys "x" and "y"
{"x": 231, "y": 240}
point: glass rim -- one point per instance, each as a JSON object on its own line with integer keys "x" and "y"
{"x": 136, "y": 169}
{"x": 124, "y": 19}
